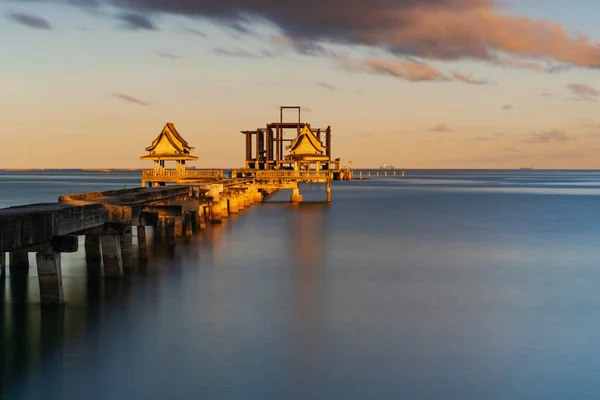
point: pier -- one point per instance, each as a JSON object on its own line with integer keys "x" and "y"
{"x": 174, "y": 203}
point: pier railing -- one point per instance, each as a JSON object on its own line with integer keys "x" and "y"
{"x": 173, "y": 174}
{"x": 292, "y": 174}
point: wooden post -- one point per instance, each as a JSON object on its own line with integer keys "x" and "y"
{"x": 329, "y": 192}
{"x": 142, "y": 244}
{"x": 50, "y": 278}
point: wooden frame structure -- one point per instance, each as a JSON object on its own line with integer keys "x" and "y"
{"x": 265, "y": 146}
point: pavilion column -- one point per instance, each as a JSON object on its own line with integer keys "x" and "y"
{"x": 50, "y": 277}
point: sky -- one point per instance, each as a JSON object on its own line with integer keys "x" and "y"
{"x": 410, "y": 83}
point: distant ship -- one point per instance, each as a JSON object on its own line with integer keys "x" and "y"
{"x": 385, "y": 166}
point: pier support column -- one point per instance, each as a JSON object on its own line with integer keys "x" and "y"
{"x": 296, "y": 197}
{"x": 93, "y": 251}
{"x": 203, "y": 214}
{"x": 187, "y": 225}
{"x": 2, "y": 265}
{"x": 19, "y": 260}
{"x": 234, "y": 204}
{"x": 170, "y": 223}
{"x": 215, "y": 213}
{"x": 258, "y": 197}
{"x": 195, "y": 217}
{"x": 142, "y": 244}
{"x": 179, "y": 226}
{"x": 329, "y": 192}
{"x": 126, "y": 239}
{"x": 50, "y": 277}
{"x": 111, "y": 256}
{"x": 224, "y": 209}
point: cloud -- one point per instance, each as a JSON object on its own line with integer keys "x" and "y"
{"x": 546, "y": 94}
{"x": 583, "y": 92}
{"x": 500, "y": 134}
{"x": 431, "y": 29}
{"x": 547, "y": 137}
{"x": 166, "y": 54}
{"x": 441, "y": 128}
{"x": 507, "y": 107}
{"x": 136, "y": 22}
{"x": 31, "y": 21}
{"x": 242, "y": 53}
{"x": 129, "y": 99}
{"x": 409, "y": 70}
{"x": 326, "y": 85}
{"x": 467, "y": 79}
{"x": 194, "y": 32}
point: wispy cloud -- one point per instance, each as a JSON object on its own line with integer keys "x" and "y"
{"x": 129, "y": 99}
{"x": 136, "y": 22}
{"x": 467, "y": 79}
{"x": 507, "y": 107}
{"x": 546, "y": 94}
{"x": 242, "y": 53}
{"x": 547, "y": 137}
{"x": 326, "y": 85}
{"x": 583, "y": 92}
{"x": 408, "y": 70}
{"x": 166, "y": 54}
{"x": 441, "y": 128}
{"x": 194, "y": 31}
{"x": 31, "y": 21}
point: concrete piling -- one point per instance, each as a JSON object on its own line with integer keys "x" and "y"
{"x": 112, "y": 256}
{"x": 215, "y": 213}
{"x": 50, "y": 278}
{"x": 187, "y": 225}
{"x": 224, "y": 208}
{"x": 142, "y": 244}
{"x": 179, "y": 226}
{"x": 296, "y": 197}
{"x": 2, "y": 265}
{"x": 233, "y": 204}
{"x": 126, "y": 239}
{"x": 203, "y": 216}
{"x": 93, "y": 251}
{"x": 19, "y": 260}
{"x": 170, "y": 223}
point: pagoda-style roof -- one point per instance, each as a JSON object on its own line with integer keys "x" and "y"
{"x": 306, "y": 146}
{"x": 169, "y": 145}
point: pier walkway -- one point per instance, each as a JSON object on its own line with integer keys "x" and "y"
{"x": 107, "y": 220}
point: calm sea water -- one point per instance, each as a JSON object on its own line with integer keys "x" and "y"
{"x": 442, "y": 285}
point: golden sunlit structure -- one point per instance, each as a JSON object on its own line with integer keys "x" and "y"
{"x": 308, "y": 159}
{"x": 169, "y": 145}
